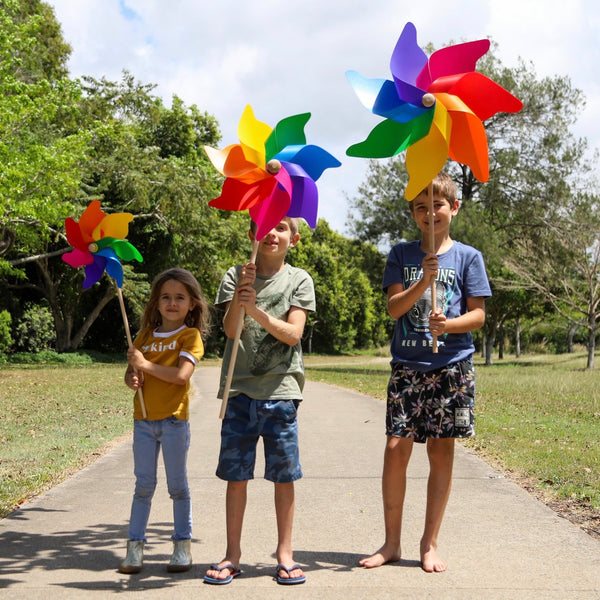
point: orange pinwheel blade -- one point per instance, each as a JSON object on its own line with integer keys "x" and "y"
{"x": 468, "y": 140}
{"x": 231, "y": 162}
{"x": 89, "y": 220}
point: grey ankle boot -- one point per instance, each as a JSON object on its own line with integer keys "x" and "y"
{"x": 134, "y": 559}
{"x": 181, "y": 560}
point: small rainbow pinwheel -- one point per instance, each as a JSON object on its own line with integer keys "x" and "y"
{"x": 434, "y": 109}
{"x": 98, "y": 244}
{"x": 271, "y": 172}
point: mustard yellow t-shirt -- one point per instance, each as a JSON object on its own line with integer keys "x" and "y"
{"x": 163, "y": 399}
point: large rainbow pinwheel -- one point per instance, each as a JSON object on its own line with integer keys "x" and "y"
{"x": 98, "y": 244}
{"x": 271, "y": 172}
{"x": 434, "y": 109}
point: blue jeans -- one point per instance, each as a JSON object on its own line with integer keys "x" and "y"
{"x": 148, "y": 437}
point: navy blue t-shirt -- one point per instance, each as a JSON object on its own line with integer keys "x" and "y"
{"x": 461, "y": 275}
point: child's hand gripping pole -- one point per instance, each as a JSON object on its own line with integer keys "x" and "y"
{"x": 235, "y": 346}
{"x": 130, "y": 342}
{"x": 434, "y": 346}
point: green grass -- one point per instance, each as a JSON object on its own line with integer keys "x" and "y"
{"x": 54, "y": 420}
{"x": 536, "y": 418}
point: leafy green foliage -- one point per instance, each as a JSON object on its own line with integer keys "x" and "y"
{"x": 5, "y": 336}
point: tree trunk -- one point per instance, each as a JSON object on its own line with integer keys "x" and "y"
{"x": 518, "y": 337}
{"x": 501, "y": 343}
{"x": 570, "y": 335}
{"x": 591, "y": 348}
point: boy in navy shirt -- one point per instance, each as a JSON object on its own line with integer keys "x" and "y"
{"x": 430, "y": 395}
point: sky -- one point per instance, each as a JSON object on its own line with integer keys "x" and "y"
{"x": 285, "y": 58}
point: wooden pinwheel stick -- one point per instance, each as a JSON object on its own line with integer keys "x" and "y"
{"x": 236, "y": 344}
{"x": 130, "y": 342}
{"x": 434, "y": 346}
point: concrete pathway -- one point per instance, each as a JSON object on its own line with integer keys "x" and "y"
{"x": 499, "y": 542}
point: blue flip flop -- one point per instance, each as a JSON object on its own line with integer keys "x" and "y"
{"x": 289, "y": 580}
{"x": 235, "y": 571}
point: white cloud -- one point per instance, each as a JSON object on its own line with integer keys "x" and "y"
{"x": 288, "y": 57}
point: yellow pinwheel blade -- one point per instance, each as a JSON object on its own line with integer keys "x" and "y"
{"x": 253, "y": 134}
{"x": 115, "y": 226}
{"x": 426, "y": 158}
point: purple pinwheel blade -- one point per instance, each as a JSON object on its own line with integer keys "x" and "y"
{"x": 94, "y": 271}
{"x": 305, "y": 200}
{"x": 407, "y": 61}
{"x": 313, "y": 159}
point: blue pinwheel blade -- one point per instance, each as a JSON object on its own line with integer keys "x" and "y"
{"x": 313, "y": 159}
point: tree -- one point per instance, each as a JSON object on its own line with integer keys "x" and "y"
{"x": 562, "y": 262}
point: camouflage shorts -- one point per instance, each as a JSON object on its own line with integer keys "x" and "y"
{"x": 435, "y": 404}
{"x": 245, "y": 421}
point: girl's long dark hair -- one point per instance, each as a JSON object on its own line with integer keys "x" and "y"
{"x": 199, "y": 317}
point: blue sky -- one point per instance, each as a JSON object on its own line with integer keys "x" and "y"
{"x": 286, "y": 58}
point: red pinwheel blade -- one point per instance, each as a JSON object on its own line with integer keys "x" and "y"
{"x": 482, "y": 95}
{"x": 237, "y": 195}
{"x": 74, "y": 236}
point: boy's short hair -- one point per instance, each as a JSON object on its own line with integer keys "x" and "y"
{"x": 443, "y": 185}
{"x": 293, "y": 222}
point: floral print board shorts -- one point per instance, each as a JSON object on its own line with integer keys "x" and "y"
{"x": 434, "y": 404}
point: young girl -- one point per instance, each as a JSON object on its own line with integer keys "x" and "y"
{"x": 161, "y": 362}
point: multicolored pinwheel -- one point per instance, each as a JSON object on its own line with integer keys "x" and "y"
{"x": 271, "y": 172}
{"x": 434, "y": 109}
{"x": 98, "y": 244}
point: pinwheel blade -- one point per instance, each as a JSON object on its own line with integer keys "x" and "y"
{"x": 390, "y": 137}
{"x": 77, "y": 258}
{"x": 408, "y": 60}
{"x": 238, "y": 195}
{"x": 459, "y": 58}
{"x": 253, "y": 134}
{"x": 94, "y": 271}
{"x": 426, "y": 158}
{"x": 288, "y": 132}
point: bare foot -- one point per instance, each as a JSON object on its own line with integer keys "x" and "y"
{"x": 383, "y": 556}
{"x": 431, "y": 562}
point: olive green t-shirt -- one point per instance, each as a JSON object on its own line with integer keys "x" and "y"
{"x": 266, "y": 368}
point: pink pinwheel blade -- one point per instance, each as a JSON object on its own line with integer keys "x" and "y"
{"x": 460, "y": 58}
{"x": 269, "y": 213}
{"x": 77, "y": 258}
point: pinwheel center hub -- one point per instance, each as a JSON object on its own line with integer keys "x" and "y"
{"x": 93, "y": 247}
{"x": 428, "y": 100}
{"x": 273, "y": 166}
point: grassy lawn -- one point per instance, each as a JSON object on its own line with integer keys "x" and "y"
{"x": 537, "y": 420}
{"x": 54, "y": 420}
